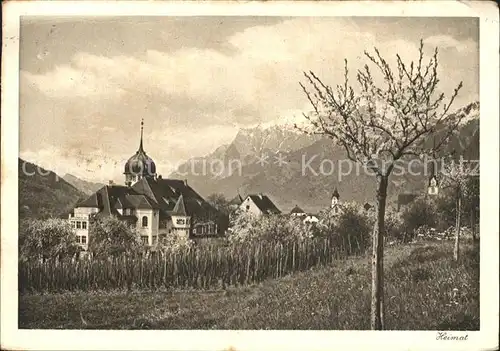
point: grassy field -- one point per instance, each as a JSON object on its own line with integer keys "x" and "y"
{"x": 425, "y": 290}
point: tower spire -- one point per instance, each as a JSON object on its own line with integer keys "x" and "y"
{"x": 142, "y": 130}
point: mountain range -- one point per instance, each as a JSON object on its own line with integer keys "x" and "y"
{"x": 274, "y": 161}
{"x": 279, "y": 161}
{"x": 43, "y": 193}
{"x": 85, "y": 186}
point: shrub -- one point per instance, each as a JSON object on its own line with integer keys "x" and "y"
{"x": 47, "y": 239}
{"x": 173, "y": 242}
{"x": 110, "y": 236}
{"x": 246, "y": 228}
{"x": 421, "y": 213}
{"x": 350, "y": 228}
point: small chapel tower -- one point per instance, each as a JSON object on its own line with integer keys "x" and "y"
{"x": 335, "y": 201}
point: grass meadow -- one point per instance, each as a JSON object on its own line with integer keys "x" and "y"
{"x": 424, "y": 290}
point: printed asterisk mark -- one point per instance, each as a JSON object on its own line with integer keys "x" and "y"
{"x": 280, "y": 159}
{"x": 262, "y": 159}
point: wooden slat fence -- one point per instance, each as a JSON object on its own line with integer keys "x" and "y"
{"x": 199, "y": 268}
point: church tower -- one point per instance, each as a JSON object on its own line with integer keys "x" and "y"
{"x": 140, "y": 165}
{"x": 335, "y": 201}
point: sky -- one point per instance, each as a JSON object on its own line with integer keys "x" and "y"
{"x": 86, "y": 83}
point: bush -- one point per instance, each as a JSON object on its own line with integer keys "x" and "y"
{"x": 247, "y": 228}
{"x": 421, "y": 213}
{"x": 350, "y": 228}
{"x": 111, "y": 237}
{"x": 47, "y": 239}
{"x": 173, "y": 243}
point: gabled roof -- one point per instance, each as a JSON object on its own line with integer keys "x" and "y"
{"x": 171, "y": 189}
{"x": 180, "y": 208}
{"x": 150, "y": 193}
{"x": 264, "y": 204}
{"x": 297, "y": 209}
{"x": 141, "y": 202}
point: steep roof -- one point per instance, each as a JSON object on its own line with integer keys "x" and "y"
{"x": 264, "y": 204}
{"x": 166, "y": 192}
{"x": 180, "y": 208}
{"x": 297, "y": 209}
{"x": 148, "y": 193}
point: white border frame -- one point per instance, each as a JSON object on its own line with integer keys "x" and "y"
{"x": 486, "y": 338}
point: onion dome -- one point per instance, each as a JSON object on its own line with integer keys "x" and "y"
{"x": 140, "y": 164}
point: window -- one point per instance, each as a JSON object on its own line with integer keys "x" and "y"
{"x": 144, "y": 240}
{"x": 84, "y": 225}
{"x": 145, "y": 221}
{"x": 154, "y": 240}
{"x": 78, "y": 238}
{"x": 84, "y": 239}
{"x": 73, "y": 224}
{"x": 180, "y": 221}
{"x": 78, "y": 225}
{"x": 248, "y": 207}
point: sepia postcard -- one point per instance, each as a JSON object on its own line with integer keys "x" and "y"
{"x": 249, "y": 175}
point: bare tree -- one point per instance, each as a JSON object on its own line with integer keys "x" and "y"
{"x": 380, "y": 124}
{"x": 457, "y": 176}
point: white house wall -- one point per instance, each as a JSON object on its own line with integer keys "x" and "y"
{"x": 181, "y": 229}
{"x": 81, "y": 214}
{"x": 153, "y": 223}
{"x": 252, "y": 207}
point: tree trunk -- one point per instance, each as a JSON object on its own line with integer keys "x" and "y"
{"x": 377, "y": 303}
{"x": 457, "y": 229}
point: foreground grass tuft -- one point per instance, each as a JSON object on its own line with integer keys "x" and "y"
{"x": 424, "y": 290}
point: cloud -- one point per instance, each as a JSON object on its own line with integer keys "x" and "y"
{"x": 448, "y": 42}
{"x": 66, "y": 82}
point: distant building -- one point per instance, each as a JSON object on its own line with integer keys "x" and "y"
{"x": 310, "y": 219}
{"x": 335, "y": 202}
{"x": 433, "y": 186}
{"x": 259, "y": 205}
{"x": 157, "y": 207}
{"x": 297, "y": 212}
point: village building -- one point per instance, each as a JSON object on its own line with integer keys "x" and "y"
{"x": 259, "y": 205}
{"x": 297, "y": 212}
{"x": 307, "y": 218}
{"x": 310, "y": 219}
{"x": 157, "y": 207}
{"x": 335, "y": 202}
